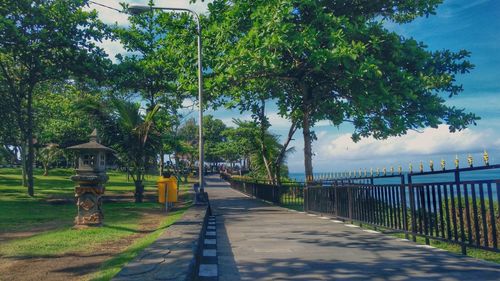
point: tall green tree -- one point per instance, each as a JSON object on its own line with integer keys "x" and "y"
{"x": 160, "y": 65}
{"x": 336, "y": 61}
{"x": 44, "y": 41}
{"x": 57, "y": 116}
{"x": 134, "y": 142}
{"x": 213, "y": 135}
{"x": 48, "y": 155}
{"x": 258, "y": 147}
{"x": 129, "y": 130}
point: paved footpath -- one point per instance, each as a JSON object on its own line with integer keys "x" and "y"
{"x": 258, "y": 241}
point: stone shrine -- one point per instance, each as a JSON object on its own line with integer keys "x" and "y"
{"x": 90, "y": 178}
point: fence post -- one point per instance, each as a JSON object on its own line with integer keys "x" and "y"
{"x": 277, "y": 195}
{"x": 336, "y": 199}
{"x": 254, "y": 189}
{"x": 305, "y": 203}
{"x": 404, "y": 206}
{"x": 349, "y": 199}
{"x": 460, "y": 211}
{"x": 412, "y": 209}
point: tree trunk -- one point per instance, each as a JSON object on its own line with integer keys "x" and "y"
{"x": 162, "y": 165}
{"x": 139, "y": 188}
{"x": 279, "y": 160}
{"x": 45, "y": 169}
{"x": 306, "y": 131}
{"x": 23, "y": 165}
{"x": 31, "y": 151}
{"x": 263, "y": 148}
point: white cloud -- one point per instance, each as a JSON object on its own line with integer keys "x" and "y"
{"x": 323, "y": 123}
{"x": 229, "y": 120}
{"x": 107, "y": 15}
{"x": 200, "y": 7}
{"x": 189, "y": 103}
{"x": 112, "y": 48}
{"x": 429, "y": 142}
{"x": 110, "y": 16}
{"x": 278, "y": 122}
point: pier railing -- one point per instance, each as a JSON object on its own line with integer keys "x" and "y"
{"x": 464, "y": 212}
{"x": 288, "y": 194}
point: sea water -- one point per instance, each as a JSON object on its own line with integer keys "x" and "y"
{"x": 478, "y": 175}
{"x": 493, "y": 174}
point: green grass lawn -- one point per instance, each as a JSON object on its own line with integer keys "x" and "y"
{"x": 58, "y": 184}
{"x": 19, "y": 212}
{"x": 51, "y": 222}
{"x": 121, "y": 219}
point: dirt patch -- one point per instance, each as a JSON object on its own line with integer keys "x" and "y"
{"x": 149, "y": 196}
{"x": 74, "y": 266}
{"x": 5, "y": 236}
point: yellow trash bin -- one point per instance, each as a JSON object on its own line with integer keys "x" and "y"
{"x": 162, "y": 188}
{"x": 172, "y": 190}
{"x": 167, "y": 187}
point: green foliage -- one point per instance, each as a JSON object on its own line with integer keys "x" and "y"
{"x": 42, "y": 42}
{"x": 213, "y": 135}
{"x": 134, "y": 143}
{"x": 49, "y": 154}
{"x": 58, "y": 117}
{"x": 162, "y": 65}
{"x": 328, "y": 60}
{"x": 129, "y": 130}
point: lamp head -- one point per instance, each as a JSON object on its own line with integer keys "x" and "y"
{"x": 136, "y": 9}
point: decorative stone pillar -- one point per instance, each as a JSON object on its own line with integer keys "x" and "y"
{"x": 90, "y": 179}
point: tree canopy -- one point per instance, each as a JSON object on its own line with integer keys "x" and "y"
{"x": 41, "y": 42}
{"x": 336, "y": 61}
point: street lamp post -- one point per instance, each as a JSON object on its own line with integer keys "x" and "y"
{"x": 139, "y": 9}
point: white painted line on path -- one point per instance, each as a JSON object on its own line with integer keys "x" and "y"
{"x": 209, "y": 252}
{"x": 210, "y": 241}
{"x": 424, "y": 246}
{"x": 208, "y": 270}
{"x": 371, "y": 231}
{"x": 351, "y": 225}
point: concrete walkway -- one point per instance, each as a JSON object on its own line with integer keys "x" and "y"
{"x": 258, "y": 241}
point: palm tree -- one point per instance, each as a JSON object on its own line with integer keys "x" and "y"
{"x": 47, "y": 155}
{"x": 133, "y": 143}
{"x": 128, "y": 129}
{"x": 267, "y": 156}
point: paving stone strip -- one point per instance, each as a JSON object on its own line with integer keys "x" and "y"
{"x": 208, "y": 269}
{"x": 173, "y": 255}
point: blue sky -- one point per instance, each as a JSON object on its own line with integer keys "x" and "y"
{"x": 459, "y": 24}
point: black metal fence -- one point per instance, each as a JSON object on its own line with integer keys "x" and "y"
{"x": 288, "y": 194}
{"x": 465, "y": 212}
